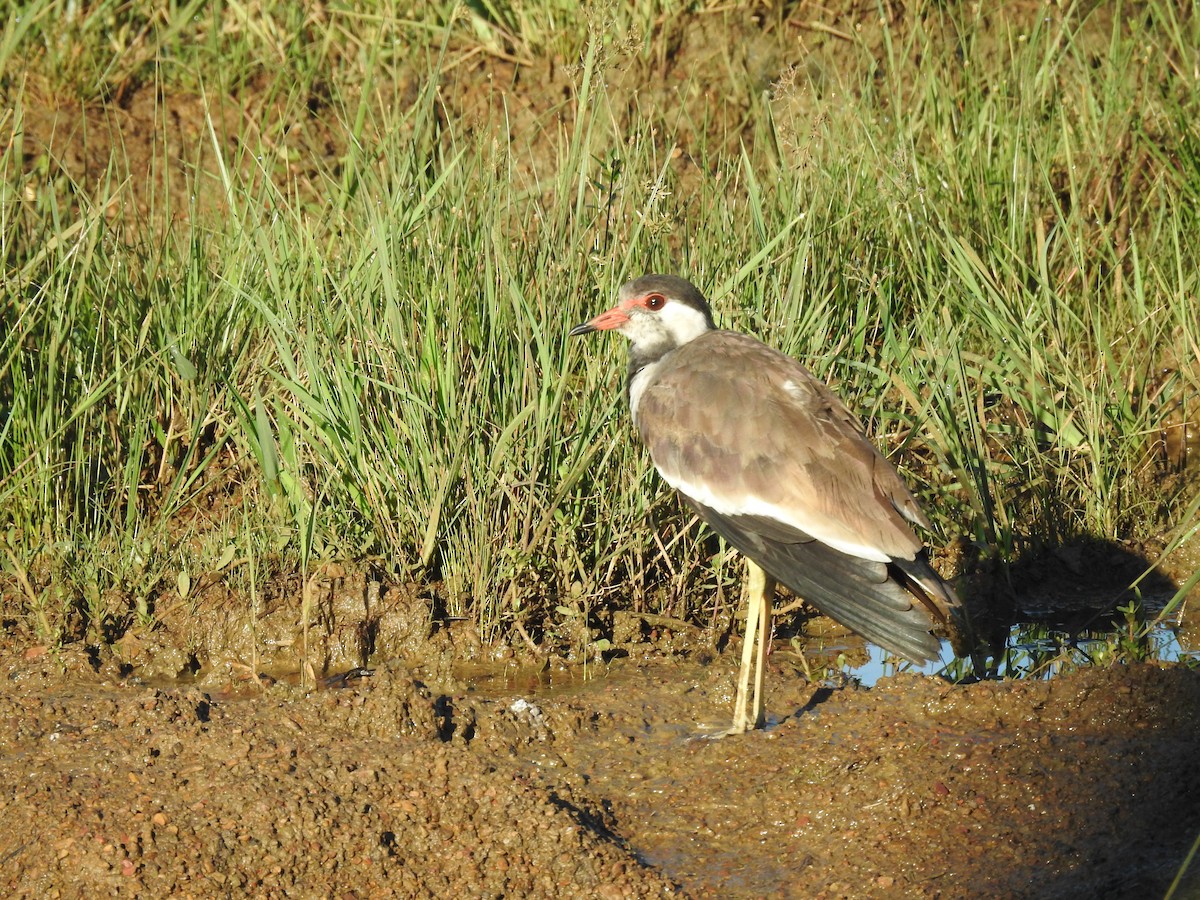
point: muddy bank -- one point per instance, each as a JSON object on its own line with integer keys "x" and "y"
{"x": 1083, "y": 786}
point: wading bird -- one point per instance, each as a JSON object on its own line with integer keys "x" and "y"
{"x": 771, "y": 459}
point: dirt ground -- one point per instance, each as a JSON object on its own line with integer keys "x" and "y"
{"x": 120, "y": 777}
{"x": 1082, "y": 786}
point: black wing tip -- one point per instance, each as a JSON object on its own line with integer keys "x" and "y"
{"x": 902, "y": 634}
{"x": 953, "y": 620}
{"x": 900, "y": 607}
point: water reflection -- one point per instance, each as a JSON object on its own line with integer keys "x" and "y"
{"x": 1040, "y": 651}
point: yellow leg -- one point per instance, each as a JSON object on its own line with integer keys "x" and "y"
{"x": 766, "y": 586}
{"x": 741, "y": 722}
{"x": 759, "y": 588}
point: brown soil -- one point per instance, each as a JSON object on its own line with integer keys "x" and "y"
{"x": 1084, "y": 786}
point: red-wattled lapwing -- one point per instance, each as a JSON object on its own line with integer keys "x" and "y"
{"x": 769, "y": 457}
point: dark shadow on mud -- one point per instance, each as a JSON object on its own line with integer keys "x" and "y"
{"x": 1065, "y": 596}
{"x": 820, "y": 695}
{"x": 1078, "y": 584}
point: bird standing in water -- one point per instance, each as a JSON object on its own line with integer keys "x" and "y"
{"x": 771, "y": 459}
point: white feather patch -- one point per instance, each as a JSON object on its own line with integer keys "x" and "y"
{"x": 638, "y": 385}
{"x": 684, "y": 323}
{"x": 757, "y": 506}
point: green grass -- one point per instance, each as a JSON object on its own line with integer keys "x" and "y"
{"x": 987, "y": 238}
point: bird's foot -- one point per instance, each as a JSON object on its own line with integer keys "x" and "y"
{"x": 724, "y": 732}
{"x": 765, "y": 723}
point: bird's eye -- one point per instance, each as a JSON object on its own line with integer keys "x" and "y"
{"x": 655, "y": 301}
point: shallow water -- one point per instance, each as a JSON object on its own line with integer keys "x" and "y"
{"x": 1033, "y": 650}
{"x": 1036, "y": 651}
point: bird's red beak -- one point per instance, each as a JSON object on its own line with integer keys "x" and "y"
{"x": 613, "y": 318}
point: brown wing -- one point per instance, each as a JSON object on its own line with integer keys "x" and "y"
{"x": 746, "y": 430}
{"x": 778, "y": 466}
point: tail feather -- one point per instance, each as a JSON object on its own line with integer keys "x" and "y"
{"x": 896, "y": 606}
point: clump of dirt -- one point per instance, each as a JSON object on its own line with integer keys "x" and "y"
{"x": 1083, "y": 786}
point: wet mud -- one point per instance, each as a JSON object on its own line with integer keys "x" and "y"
{"x": 1082, "y": 786}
